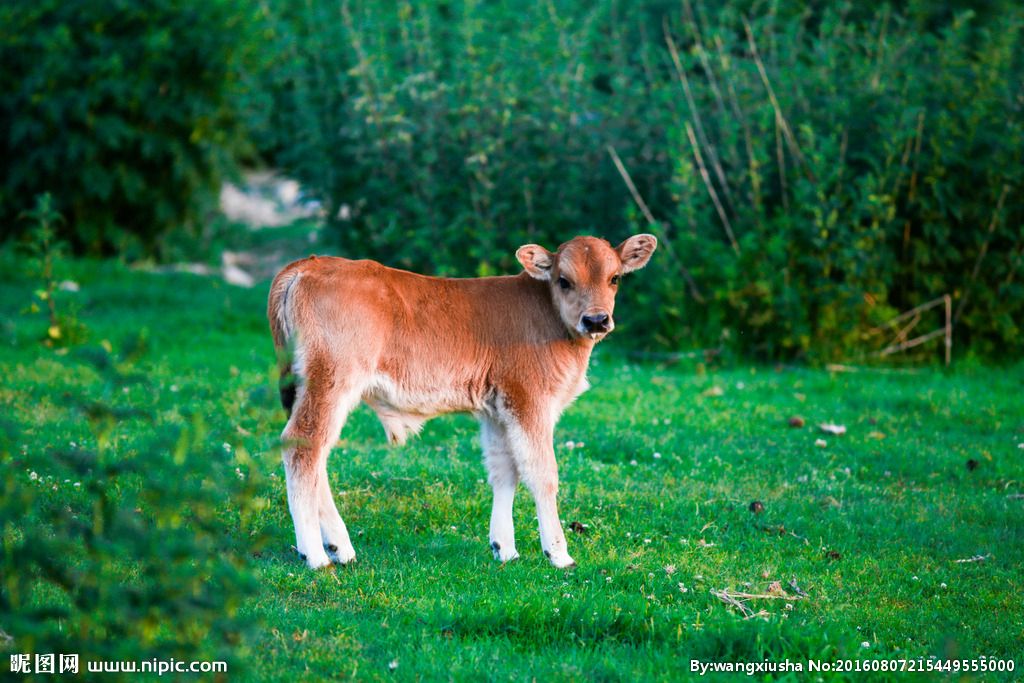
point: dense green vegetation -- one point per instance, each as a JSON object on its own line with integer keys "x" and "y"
{"x": 812, "y": 169}
{"x": 126, "y": 112}
{"x": 144, "y": 511}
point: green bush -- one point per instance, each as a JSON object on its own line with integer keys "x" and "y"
{"x": 452, "y": 133}
{"x": 440, "y": 136}
{"x": 124, "y": 111}
{"x": 121, "y": 552}
{"x": 888, "y": 176}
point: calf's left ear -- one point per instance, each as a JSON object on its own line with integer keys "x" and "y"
{"x": 636, "y": 251}
{"x": 536, "y": 260}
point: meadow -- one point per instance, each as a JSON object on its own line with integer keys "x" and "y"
{"x": 685, "y": 484}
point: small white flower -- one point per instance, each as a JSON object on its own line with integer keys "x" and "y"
{"x": 607, "y": 579}
{"x": 33, "y": 476}
{"x": 556, "y": 610}
{"x": 741, "y": 385}
{"x": 580, "y": 444}
{"x": 238, "y": 471}
{"x": 78, "y": 484}
{"x": 789, "y": 605}
{"x": 657, "y": 456}
{"x": 667, "y": 421}
{"x": 682, "y": 588}
{"x": 570, "y": 444}
{"x": 865, "y": 644}
{"x": 174, "y": 388}
{"x": 226, "y": 446}
{"x": 647, "y": 540}
{"x": 392, "y": 665}
{"x": 567, "y": 596}
{"x": 914, "y": 578}
{"x": 73, "y": 444}
{"x": 820, "y": 443}
{"x": 632, "y": 462}
{"x": 942, "y": 585}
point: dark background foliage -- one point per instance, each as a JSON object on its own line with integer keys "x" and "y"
{"x": 124, "y": 111}
{"x": 812, "y": 169}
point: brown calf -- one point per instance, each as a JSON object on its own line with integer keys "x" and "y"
{"x": 511, "y": 350}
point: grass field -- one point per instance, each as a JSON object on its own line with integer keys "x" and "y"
{"x": 664, "y": 465}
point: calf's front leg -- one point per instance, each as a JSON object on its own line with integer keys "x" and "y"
{"x": 503, "y": 477}
{"x": 534, "y": 456}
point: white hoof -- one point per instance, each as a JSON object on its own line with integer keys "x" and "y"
{"x": 505, "y": 553}
{"x": 560, "y": 560}
{"x": 341, "y": 554}
{"x": 317, "y": 559}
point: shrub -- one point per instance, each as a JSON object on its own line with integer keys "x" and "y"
{"x": 124, "y": 111}
{"x": 887, "y": 173}
{"x": 119, "y": 552}
{"x": 442, "y": 135}
{"x": 448, "y": 134}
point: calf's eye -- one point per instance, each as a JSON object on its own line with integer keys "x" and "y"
{"x": 615, "y": 280}
{"x": 564, "y": 284}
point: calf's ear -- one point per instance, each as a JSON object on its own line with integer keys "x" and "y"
{"x": 536, "y": 260}
{"x": 636, "y": 251}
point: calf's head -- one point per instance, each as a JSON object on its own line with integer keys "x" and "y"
{"x": 584, "y": 276}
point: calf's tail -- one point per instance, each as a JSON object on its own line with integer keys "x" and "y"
{"x": 281, "y": 327}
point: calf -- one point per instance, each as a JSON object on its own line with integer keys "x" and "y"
{"x": 511, "y": 350}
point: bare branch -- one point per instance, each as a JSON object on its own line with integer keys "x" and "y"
{"x": 993, "y": 222}
{"x": 695, "y": 112}
{"x": 711, "y": 189}
{"x": 783, "y": 124}
{"x": 646, "y": 211}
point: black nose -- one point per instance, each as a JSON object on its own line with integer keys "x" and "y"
{"x": 596, "y": 323}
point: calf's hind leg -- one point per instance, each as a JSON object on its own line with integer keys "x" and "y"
{"x": 323, "y": 402}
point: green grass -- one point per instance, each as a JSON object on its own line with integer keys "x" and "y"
{"x": 870, "y": 526}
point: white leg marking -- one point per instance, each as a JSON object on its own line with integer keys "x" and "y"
{"x": 534, "y": 456}
{"x": 301, "y": 478}
{"x": 501, "y": 474}
{"x": 318, "y": 525}
{"x": 333, "y": 531}
{"x": 335, "y": 536}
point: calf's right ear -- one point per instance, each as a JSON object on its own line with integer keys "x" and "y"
{"x": 536, "y": 260}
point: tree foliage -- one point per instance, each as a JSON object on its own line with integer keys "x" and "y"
{"x": 124, "y": 111}
{"x": 812, "y": 171}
